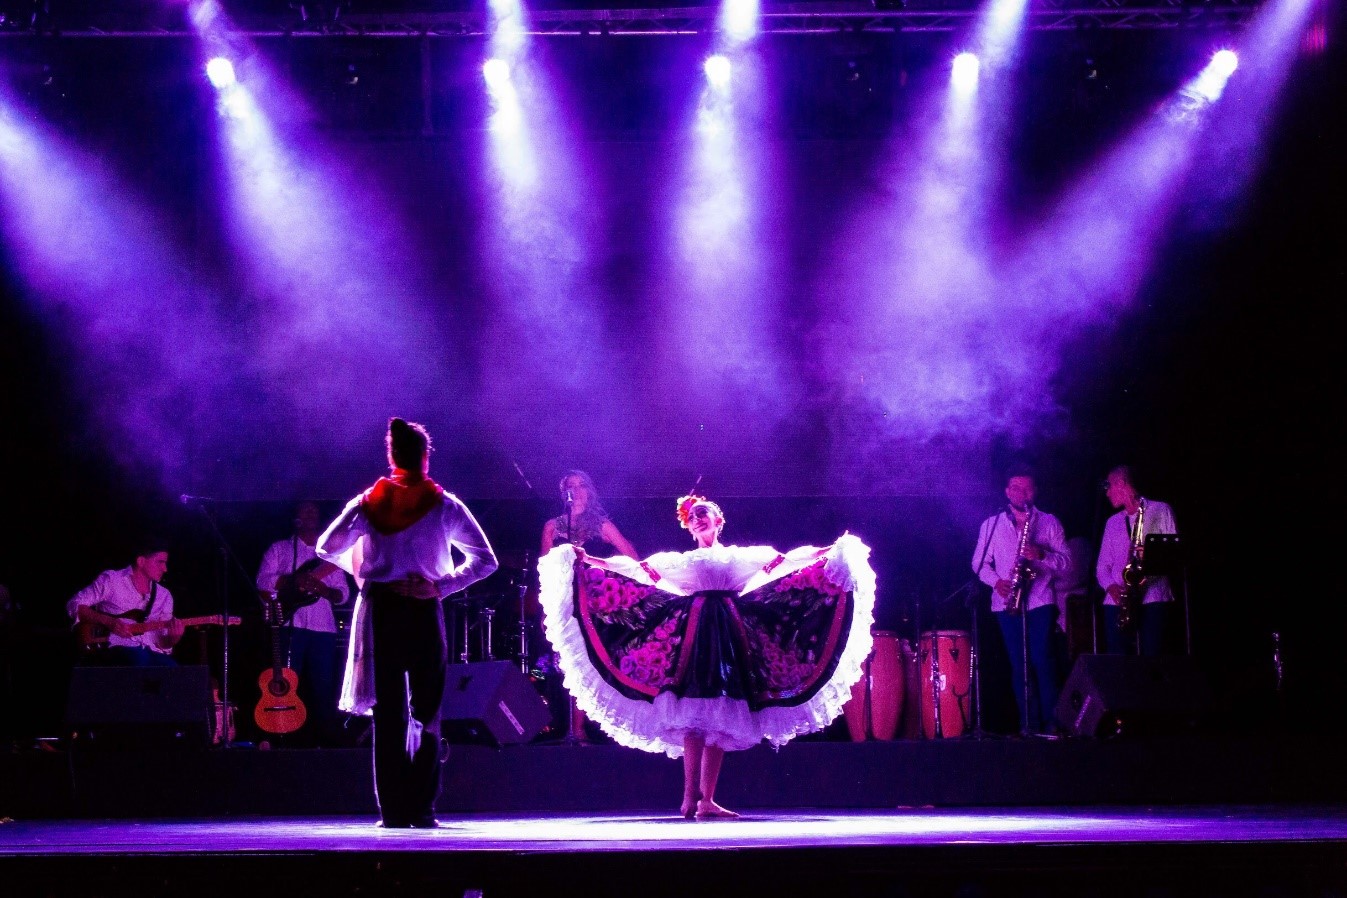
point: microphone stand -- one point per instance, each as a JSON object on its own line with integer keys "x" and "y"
{"x": 1024, "y": 669}
{"x": 523, "y": 587}
{"x": 969, "y": 588}
{"x": 978, "y": 732}
{"x": 573, "y": 725}
{"x": 226, "y": 555}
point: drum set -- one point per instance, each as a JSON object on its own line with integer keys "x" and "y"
{"x": 924, "y": 693}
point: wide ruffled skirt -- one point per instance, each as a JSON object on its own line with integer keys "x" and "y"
{"x": 650, "y": 666}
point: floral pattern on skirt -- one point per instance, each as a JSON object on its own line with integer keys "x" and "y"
{"x": 772, "y": 647}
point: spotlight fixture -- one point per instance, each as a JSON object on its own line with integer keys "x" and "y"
{"x": 496, "y": 72}
{"x": 717, "y": 69}
{"x": 220, "y": 72}
{"x": 964, "y": 71}
{"x": 1224, "y": 63}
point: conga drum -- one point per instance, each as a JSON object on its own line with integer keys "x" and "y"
{"x": 877, "y": 698}
{"x": 944, "y": 670}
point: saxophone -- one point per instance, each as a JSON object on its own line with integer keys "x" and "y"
{"x": 1133, "y": 574}
{"x": 1022, "y": 578}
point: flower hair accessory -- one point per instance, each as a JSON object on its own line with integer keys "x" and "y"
{"x": 685, "y": 504}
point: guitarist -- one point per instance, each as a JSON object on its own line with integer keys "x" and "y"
{"x": 309, "y": 640}
{"x": 116, "y": 599}
{"x": 1156, "y": 621}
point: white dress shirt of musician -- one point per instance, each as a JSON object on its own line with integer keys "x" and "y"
{"x": 114, "y": 593}
{"x": 287, "y": 555}
{"x": 422, "y": 551}
{"x": 1119, "y": 532}
{"x": 1046, "y": 548}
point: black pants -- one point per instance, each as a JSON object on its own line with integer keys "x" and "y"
{"x": 409, "y": 667}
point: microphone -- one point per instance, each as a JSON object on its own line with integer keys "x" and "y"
{"x": 570, "y": 497}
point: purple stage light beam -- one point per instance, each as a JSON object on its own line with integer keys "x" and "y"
{"x": 321, "y": 257}
{"x": 96, "y": 260}
{"x": 1232, "y": 147}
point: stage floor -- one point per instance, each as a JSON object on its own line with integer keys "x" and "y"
{"x": 665, "y": 831}
{"x": 1240, "y": 850}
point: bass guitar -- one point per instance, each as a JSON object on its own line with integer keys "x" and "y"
{"x": 90, "y": 637}
{"x": 279, "y": 710}
{"x": 304, "y": 587}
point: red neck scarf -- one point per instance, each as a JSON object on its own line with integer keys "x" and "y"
{"x": 398, "y": 501}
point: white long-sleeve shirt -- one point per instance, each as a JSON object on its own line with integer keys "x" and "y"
{"x": 286, "y": 556}
{"x": 1045, "y": 531}
{"x": 1116, "y": 548}
{"x": 115, "y": 593}
{"x": 426, "y": 548}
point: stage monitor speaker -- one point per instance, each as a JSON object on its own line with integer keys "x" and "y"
{"x": 490, "y": 703}
{"x": 1115, "y": 695}
{"x": 120, "y": 705}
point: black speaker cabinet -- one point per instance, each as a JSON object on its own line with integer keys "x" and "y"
{"x": 490, "y": 703}
{"x": 1114, "y": 695}
{"x": 116, "y": 705}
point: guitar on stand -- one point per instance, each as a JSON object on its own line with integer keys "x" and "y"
{"x": 279, "y": 710}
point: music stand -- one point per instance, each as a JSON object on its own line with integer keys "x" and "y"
{"x": 1166, "y": 556}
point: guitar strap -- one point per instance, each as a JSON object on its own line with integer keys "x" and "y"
{"x": 154, "y": 595}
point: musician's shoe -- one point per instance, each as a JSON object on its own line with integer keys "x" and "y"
{"x": 426, "y": 822}
{"x": 389, "y": 823}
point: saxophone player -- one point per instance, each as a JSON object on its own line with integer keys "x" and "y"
{"x": 1019, "y": 551}
{"x": 1155, "y": 612}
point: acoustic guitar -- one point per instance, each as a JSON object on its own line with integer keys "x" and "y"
{"x": 90, "y": 637}
{"x": 279, "y": 710}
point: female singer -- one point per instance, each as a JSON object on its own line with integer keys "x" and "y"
{"x": 712, "y": 650}
{"x": 585, "y": 518}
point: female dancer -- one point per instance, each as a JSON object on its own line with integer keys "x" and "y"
{"x": 712, "y": 650}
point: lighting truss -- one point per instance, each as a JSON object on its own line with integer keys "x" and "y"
{"x": 790, "y": 18}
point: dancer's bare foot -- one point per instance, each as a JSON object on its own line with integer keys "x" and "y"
{"x": 689, "y": 807}
{"x": 707, "y": 810}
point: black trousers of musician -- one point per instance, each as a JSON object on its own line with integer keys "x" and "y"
{"x": 1045, "y": 682}
{"x": 410, "y": 656}
{"x": 1157, "y": 625}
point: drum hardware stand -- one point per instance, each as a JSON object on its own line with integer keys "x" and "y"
{"x": 867, "y": 706}
{"x": 464, "y": 654}
{"x": 932, "y": 676}
{"x": 487, "y": 614}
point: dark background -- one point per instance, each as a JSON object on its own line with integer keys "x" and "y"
{"x": 1220, "y": 381}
